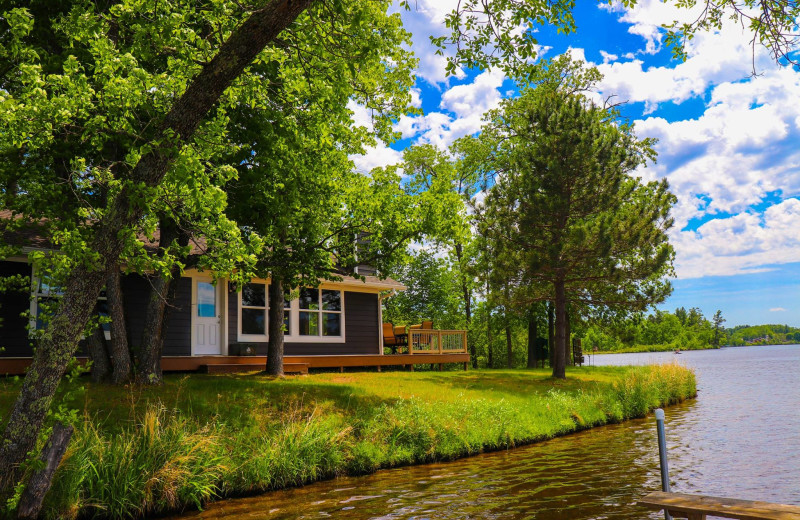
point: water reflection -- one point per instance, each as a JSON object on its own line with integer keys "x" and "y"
{"x": 740, "y": 438}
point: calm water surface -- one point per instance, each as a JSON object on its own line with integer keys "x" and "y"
{"x": 739, "y": 438}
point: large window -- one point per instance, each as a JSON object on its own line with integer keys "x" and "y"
{"x": 254, "y": 313}
{"x": 320, "y": 312}
{"x": 317, "y": 315}
{"x": 254, "y": 309}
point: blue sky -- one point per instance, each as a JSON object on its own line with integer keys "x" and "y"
{"x": 728, "y": 143}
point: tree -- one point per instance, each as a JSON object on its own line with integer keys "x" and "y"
{"x": 718, "y": 320}
{"x": 305, "y": 212}
{"x": 431, "y": 294}
{"x": 681, "y": 313}
{"x": 565, "y": 199}
{"x": 185, "y": 100}
{"x": 445, "y": 173}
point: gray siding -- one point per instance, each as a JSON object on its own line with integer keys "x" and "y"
{"x": 14, "y": 340}
{"x": 177, "y": 336}
{"x": 135, "y": 292}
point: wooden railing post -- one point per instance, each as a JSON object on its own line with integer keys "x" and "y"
{"x": 440, "y": 342}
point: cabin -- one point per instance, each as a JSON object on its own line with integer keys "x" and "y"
{"x": 214, "y": 327}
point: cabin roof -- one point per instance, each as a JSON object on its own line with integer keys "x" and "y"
{"x": 32, "y": 235}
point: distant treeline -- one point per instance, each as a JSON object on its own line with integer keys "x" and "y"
{"x": 685, "y": 330}
{"x": 762, "y": 335}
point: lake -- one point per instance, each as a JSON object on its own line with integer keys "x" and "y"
{"x": 740, "y": 438}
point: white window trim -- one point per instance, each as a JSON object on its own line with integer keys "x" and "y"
{"x": 293, "y": 334}
{"x": 295, "y": 322}
{"x": 34, "y": 306}
{"x": 253, "y": 338}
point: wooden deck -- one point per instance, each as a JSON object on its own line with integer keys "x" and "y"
{"x": 292, "y": 364}
{"x": 696, "y": 507}
{"x": 169, "y": 364}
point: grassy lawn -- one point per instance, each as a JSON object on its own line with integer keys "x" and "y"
{"x": 139, "y": 452}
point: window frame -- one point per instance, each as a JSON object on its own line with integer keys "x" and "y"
{"x": 292, "y": 335}
{"x": 242, "y": 337}
{"x": 320, "y": 312}
{"x": 36, "y": 295}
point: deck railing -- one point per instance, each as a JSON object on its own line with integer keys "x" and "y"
{"x": 428, "y": 341}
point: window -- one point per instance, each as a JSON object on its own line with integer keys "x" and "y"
{"x": 45, "y": 295}
{"x": 320, "y": 312}
{"x": 317, "y": 315}
{"x": 44, "y": 301}
{"x": 254, "y": 313}
{"x": 254, "y": 309}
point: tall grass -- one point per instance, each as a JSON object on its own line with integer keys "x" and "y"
{"x": 161, "y": 460}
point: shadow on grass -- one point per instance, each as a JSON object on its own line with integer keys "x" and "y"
{"x": 237, "y": 400}
{"x": 521, "y": 382}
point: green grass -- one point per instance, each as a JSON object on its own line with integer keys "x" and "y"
{"x": 197, "y": 438}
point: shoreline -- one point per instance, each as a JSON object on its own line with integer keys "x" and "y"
{"x": 644, "y": 351}
{"x": 206, "y": 438}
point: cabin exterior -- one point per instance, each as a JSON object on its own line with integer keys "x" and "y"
{"x": 213, "y": 327}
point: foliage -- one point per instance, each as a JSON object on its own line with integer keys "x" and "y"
{"x": 660, "y": 330}
{"x": 301, "y": 204}
{"x": 763, "y": 335}
{"x": 565, "y": 216}
{"x": 432, "y": 293}
{"x": 198, "y": 438}
{"x": 771, "y": 23}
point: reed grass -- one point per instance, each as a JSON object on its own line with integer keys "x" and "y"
{"x": 198, "y": 438}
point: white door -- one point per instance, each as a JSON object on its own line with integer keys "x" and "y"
{"x": 206, "y": 318}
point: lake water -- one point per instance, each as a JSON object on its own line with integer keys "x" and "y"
{"x": 740, "y": 438}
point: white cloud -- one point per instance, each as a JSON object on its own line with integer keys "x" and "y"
{"x": 722, "y": 164}
{"x": 742, "y": 147}
{"x": 744, "y": 243}
{"x": 380, "y": 155}
{"x": 462, "y": 112}
{"x": 777, "y": 309}
{"x": 607, "y": 57}
{"x": 713, "y": 58}
{"x": 424, "y": 19}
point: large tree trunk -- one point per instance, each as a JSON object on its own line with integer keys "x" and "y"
{"x": 148, "y": 367}
{"x": 162, "y": 298}
{"x": 467, "y": 295}
{"x": 84, "y": 283}
{"x": 551, "y": 333}
{"x": 568, "y": 340}
{"x": 101, "y": 365}
{"x": 32, "y": 498}
{"x": 533, "y": 334}
{"x": 559, "y": 366}
{"x": 489, "y": 356}
{"x": 275, "y": 345}
{"x": 50, "y": 359}
{"x": 507, "y": 323}
{"x": 118, "y": 346}
{"x": 509, "y": 347}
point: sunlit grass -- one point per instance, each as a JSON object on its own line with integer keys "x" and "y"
{"x": 145, "y": 451}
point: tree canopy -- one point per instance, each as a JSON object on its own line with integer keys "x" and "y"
{"x": 565, "y": 211}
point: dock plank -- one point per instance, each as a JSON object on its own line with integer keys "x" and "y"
{"x": 697, "y": 506}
